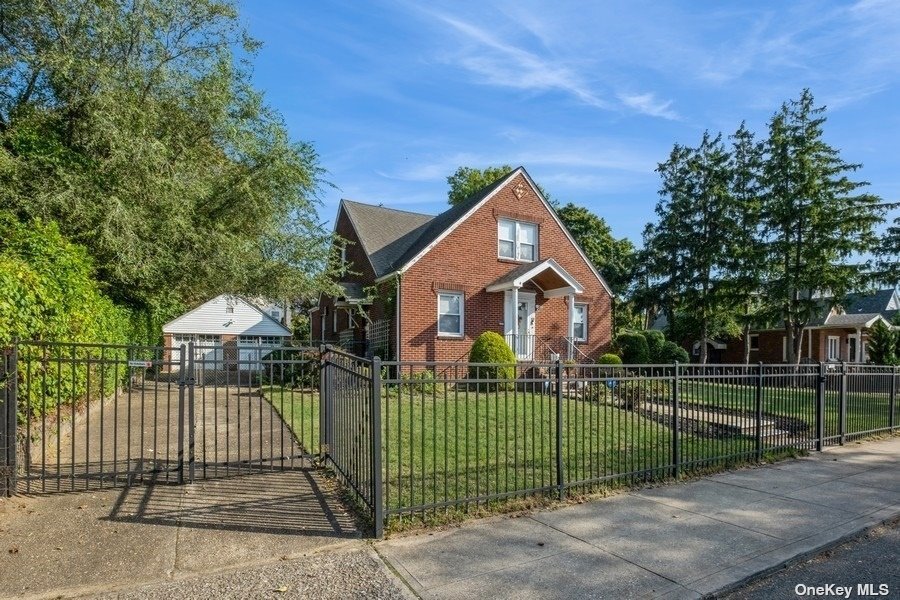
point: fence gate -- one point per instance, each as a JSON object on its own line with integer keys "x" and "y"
{"x": 92, "y": 416}
{"x": 351, "y": 422}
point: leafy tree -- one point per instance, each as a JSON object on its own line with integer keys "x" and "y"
{"x": 466, "y": 181}
{"x": 813, "y": 218}
{"x": 655, "y": 342}
{"x": 614, "y": 258}
{"x": 883, "y": 345}
{"x": 135, "y": 128}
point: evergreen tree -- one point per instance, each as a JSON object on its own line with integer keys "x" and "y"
{"x": 691, "y": 241}
{"x": 883, "y": 345}
{"x": 813, "y": 218}
{"x": 745, "y": 257}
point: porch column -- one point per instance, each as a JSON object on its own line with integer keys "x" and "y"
{"x": 571, "y": 298}
{"x": 514, "y": 314}
{"x": 858, "y": 357}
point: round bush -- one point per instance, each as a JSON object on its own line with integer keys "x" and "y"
{"x": 609, "y": 359}
{"x": 655, "y": 342}
{"x": 672, "y": 352}
{"x": 634, "y": 348}
{"x": 490, "y": 347}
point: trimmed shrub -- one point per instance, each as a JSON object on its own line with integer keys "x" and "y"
{"x": 634, "y": 348}
{"x": 491, "y": 348}
{"x": 609, "y": 359}
{"x": 655, "y": 343}
{"x": 672, "y": 352}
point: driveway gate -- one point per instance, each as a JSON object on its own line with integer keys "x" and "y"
{"x": 90, "y": 416}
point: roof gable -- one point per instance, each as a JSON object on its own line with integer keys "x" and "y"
{"x": 211, "y": 317}
{"x": 445, "y": 223}
{"x": 385, "y": 234}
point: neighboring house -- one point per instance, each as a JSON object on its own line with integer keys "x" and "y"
{"x": 230, "y": 332}
{"x": 838, "y": 332}
{"x": 423, "y": 287}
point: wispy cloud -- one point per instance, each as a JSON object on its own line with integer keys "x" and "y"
{"x": 649, "y": 104}
{"x": 502, "y": 63}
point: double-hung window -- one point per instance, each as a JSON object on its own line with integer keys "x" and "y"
{"x": 450, "y": 313}
{"x": 516, "y": 240}
{"x": 579, "y": 328}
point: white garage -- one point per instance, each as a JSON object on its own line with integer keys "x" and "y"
{"x": 229, "y": 332}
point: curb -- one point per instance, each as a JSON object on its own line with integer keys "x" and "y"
{"x": 802, "y": 557}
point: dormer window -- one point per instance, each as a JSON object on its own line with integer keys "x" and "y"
{"x": 516, "y": 240}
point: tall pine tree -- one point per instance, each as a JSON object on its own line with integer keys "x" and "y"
{"x": 814, "y": 218}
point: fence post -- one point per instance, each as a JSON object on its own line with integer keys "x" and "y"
{"x": 842, "y": 405}
{"x": 820, "y": 408}
{"x": 560, "y": 476}
{"x": 892, "y": 404}
{"x": 323, "y": 403}
{"x": 377, "y": 483}
{"x": 759, "y": 412}
{"x": 182, "y": 383}
{"x": 676, "y": 446}
{"x": 191, "y": 382}
{"x": 9, "y": 374}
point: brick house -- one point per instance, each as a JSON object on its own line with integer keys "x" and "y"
{"x": 420, "y": 287}
{"x": 838, "y": 332}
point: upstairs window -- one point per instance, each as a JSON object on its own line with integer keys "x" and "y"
{"x": 516, "y": 240}
{"x": 450, "y": 313}
{"x": 754, "y": 341}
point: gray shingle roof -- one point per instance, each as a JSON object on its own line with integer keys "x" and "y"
{"x": 392, "y": 237}
{"x": 385, "y": 233}
{"x": 850, "y": 320}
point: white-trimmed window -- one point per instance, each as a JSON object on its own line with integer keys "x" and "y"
{"x": 182, "y": 338}
{"x": 450, "y": 313}
{"x": 209, "y": 340}
{"x": 257, "y": 340}
{"x": 579, "y": 327}
{"x": 754, "y": 342}
{"x": 833, "y": 348}
{"x": 516, "y": 240}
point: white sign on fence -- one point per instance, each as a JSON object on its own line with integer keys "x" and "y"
{"x": 140, "y": 363}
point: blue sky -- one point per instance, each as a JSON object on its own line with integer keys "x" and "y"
{"x": 589, "y": 97}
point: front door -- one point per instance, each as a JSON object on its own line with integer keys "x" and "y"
{"x": 520, "y": 329}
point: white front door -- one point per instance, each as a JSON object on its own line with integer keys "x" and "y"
{"x": 520, "y": 330}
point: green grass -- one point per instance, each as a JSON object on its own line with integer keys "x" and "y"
{"x": 866, "y": 409}
{"x": 442, "y": 444}
{"x": 300, "y": 410}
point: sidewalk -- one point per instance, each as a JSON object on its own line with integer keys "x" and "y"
{"x": 677, "y": 541}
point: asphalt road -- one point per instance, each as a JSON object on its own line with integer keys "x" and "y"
{"x": 871, "y": 559}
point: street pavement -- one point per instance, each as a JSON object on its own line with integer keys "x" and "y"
{"x": 871, "y": 561}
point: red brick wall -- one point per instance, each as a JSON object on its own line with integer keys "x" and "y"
{"x": 770, "y": 346}
{"x": 362, "y": 272}
{"x": 466, "y": 260}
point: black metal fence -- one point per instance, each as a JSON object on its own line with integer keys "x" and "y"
{"x": 7, "y": 421}
{"x": 409, "y": 438}
{"x": 91, "y": 416}
{"x": 458, "y": 436}
{"x": 351, "y": 422}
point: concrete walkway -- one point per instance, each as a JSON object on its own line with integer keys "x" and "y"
{"x": 85, "y": 543}
{"x": 675, "y": 541}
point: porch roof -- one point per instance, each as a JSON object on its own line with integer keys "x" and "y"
{"x": 546, "y": 274}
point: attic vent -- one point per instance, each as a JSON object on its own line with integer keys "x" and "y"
{"x": 229, "y": 306}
